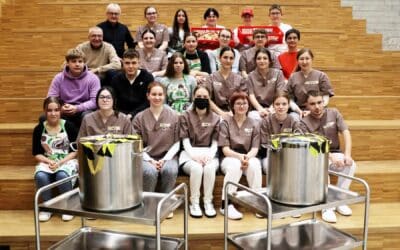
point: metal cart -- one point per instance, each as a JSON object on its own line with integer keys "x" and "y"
{"x": 306, "y": 234}
{"x": 153, "y": 210}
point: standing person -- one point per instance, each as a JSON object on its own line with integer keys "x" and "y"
{"x": 211, "y": 16}
{"x": 288, "y": 60}
{"x": 106, "y": 119}
{"x": 239, "y": 137}
{"x": 152, "y": 59}
{"x": 130, "y": 86}
{"x": 305, "y": 79}
{"x": 247, "y": 19}
{"x": 159, "y": 127}
{"x": 330, "y": 123}
{"x": 247, "y": 62}
{"x": 160, "y": 30}
{"x": 263, "y": 83}
{"x": 197, "y": 60}
{"x": 199, "y": 132}
{"x": 76, "y": 87}
{"x": 180, "y": 27}
{"x": 51, "y": 147}
{"x": 278, "y": 122}
{"x": 178, "y": 83}
{"x": 101, "y": 57}
{"x": 115, "y": 32}
{"x": 223, "y": 83}
{"x": 275, "y": 15}
{"x": 224, "y": 38}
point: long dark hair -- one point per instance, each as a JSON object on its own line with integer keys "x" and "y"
{"x": 170, "y": 70}
{"x": 175, "y": 27}
{"x": 301, "y": 52}
{"x": 112, "y": 92}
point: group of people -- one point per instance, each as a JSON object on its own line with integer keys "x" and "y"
{"x": 201, "y": 111}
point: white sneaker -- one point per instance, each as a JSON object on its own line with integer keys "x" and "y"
{"x": 170, "y": 215}
{"x": 329, "y": 215}
{"x": 44, "y": 216}
{"x": 67, "y": 217}
{"x": 209, "y": 209}
{"x": 344, "y": 210}
{"x": 233, "y": 214}
{"x": 195, "y": 210}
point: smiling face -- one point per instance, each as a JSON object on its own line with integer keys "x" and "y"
{"x": 151, "y": 15}
{"x": 262, "y": 61}
{"x": 275, "y": 15}
{"x": 156, "y": 96}
{"x": 292, "y": 40}
{"x": 316, "y": 106}
{"x": 305, "y": 61}
{"x": 190, "y": 44}
{"x": 131, "y": 65}
{"x": 181, "y": 17}
{"x": 53, "y": 113}
{"x": 224, "y": 38}
{"x": 281, "y": 105}
{"x": 241, "y": 106}
{"x": 113, "y": 15}
{"x": 227, "y": 59}
{"x": 211, "y": 20}
{"x": 260, "y": 40}
{"x": 105, "y": 101}
{"x": 148, "y": 40}
{"x": 96, "y": 38}
{"x": 76, "y": 66}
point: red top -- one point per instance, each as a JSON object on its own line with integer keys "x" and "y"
{"x": 288, "y": 63}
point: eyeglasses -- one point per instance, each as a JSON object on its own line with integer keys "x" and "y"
{"x": 151, "y": 13}
{"x": 241, "y": 104}
{"x": 105, "y": 97}
{"x": 113, "y": 13}
{"x": 260, "y": 37}
{"x": 225, "y": 37}
{"x": 275, "y": 13}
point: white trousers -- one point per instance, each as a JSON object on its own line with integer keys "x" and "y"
{"x": 343, "y": 183}
{"x": 231, "y": 167}
{"x": 198, "y": 172}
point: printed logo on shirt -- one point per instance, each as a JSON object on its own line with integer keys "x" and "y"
{"x": 272, "y": 80}
{"x": 205, "y": 124}
{"x": 329, "y": 125}
{"x": 218, "y": 83}
{"x": 114, "y": 129}
{"x": 165, "y": 125}
{"x": 311, "y": 82}
{"x": 248, "y": 131}
{"x": 287, "y": 130}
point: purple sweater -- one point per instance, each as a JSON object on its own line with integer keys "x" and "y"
{"x": 80, "y": 91}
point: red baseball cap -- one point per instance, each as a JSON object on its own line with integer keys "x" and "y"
{"x": 247, "y": 11}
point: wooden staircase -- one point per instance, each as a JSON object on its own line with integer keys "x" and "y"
{"x": 36, "y": 34}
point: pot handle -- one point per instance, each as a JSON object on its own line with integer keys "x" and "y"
{"x": 271, "y": 148}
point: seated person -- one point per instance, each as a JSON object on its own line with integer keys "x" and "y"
{"x": 306, "y": 78}
{"x": 224, "y": 38}
{"x": 101, "y": 57}
{"x": 247, "y": 62}
{"x": 115, "y": 32}
{"x": 263, "y": 83}
{"x": 239, "y": 138}
{"x": 275, "y": 15}
{"x": 288, "y": 60}
{"x": 180, "y": 27}
{"x": 131, "y": 84}
{"x": 178, "y": 83}
{"x": 159, "y": 127}
{"x": 247, "y": 19}
{"x": 106, "y": 119}
{"x": 152, "y": 59}
{"x": 197, "y": 60}
{"x": 199, "y": 132}
{"x": 223, "y": 83}
{"x": 211, "y": 16}
{"x": 160, "y": 30}
{"x": 51, "y": 147}
{"x": 76, "y": 86}
{"x": 329, "y": 123}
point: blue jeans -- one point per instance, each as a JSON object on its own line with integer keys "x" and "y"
{"x": 43, "y": 179}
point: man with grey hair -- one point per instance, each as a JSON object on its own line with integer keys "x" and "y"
{"x": 101, "y": 57}
{"x": 115, "y": 32}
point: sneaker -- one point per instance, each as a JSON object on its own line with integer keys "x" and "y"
{"x": 44, "y": 216}
{"x": 344, "y": 210}
{"x": 195, "y": 210}
{"x": 329, "y": 215}
{"x": 209, "y": 210}
{"x": 67, "y": 217}
{"x": 259, "y": 216}
{"x": 170, "y": 215}
{"x": 233, "y": 214}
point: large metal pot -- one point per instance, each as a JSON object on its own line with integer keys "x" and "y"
{"x": 298, "y": 169}
{"x": 110, "y": 172}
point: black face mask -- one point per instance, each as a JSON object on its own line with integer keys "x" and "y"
{"x": 201, "y": 103}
